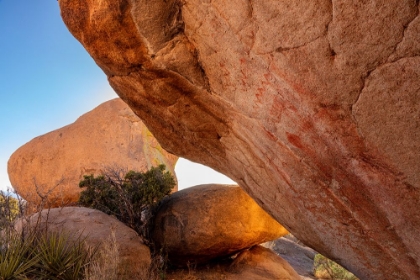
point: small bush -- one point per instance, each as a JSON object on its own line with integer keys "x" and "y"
{"x": 10, "y": 208}
{"x": 131, "y": 198}
{"x": 325, "y": 268}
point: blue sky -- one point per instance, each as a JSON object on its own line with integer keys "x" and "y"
{"x": 47, "y": 80}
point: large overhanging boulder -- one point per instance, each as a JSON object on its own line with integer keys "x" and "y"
{"x": 311, "y": 106}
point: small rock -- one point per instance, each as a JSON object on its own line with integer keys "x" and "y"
{"x": 261, "y": 263}
{"x": 257, "y": 263}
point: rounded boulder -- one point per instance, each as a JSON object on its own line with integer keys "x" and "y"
{"x": 97, "y": 229}
{"x": 256, "y": 263}
{"x": 109, "y": 138}
{"x": 206, "y": 222}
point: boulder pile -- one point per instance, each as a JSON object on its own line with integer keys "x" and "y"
{"x": 214, "y": 229}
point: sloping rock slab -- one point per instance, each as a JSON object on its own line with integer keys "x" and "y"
{"x": 299, "y": 256}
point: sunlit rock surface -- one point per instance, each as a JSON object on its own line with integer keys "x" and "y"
{"x": 311, "y": 106}
{"x": 109, "y": 137}
{"x": 205, "y": 222}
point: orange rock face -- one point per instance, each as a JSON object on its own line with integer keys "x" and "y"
{"x": 205, "y": 222}
{"x": 110, "y": 136}
{"x": 311, "y": 106}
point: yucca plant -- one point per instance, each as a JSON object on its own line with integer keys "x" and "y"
{"x": 32, "y": 253}
{"x": 62, "y": 257}
{"x": 17, "y": 258}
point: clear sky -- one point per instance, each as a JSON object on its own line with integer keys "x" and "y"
{"x": 47, "y": 80}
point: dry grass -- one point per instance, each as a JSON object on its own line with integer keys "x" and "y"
{"x": 106, "y": 262}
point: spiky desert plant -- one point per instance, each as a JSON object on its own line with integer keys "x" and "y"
{"x": 17, "y": 258}
{"x": 62, "y": 256}
{"x": 28, "y": 251}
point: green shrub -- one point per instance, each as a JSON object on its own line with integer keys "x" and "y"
{"x": 325, "y": 268}
{"x": 132, "y": 198}
{"x": 10, "y": 209}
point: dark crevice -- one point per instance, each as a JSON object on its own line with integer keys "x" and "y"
{"x": 176, "y": 23}
{"x": 327, "y": 31}
{"x": 251, "y": 9}
{"x": 281, "y": 49}
{"x": 202, "y": 70}
{"x": 362, "y": 87}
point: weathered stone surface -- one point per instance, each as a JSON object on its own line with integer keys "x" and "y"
{"x": 204, "y": 222}
{"x": 300, "y": 102}
{"x": 261, "y": 263}
{"x": 110, "y": 136}
{"x": 96, "y": 227}
{"x": 299, "y": 256}
{"x": 257, "y": 263}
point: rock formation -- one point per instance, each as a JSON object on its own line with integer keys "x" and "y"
{"x": 262, "y": 263}
{"x": 205, "y": 222}
{"x": 95, "y": 228}
{"x": 299, "y": 256}
{"x": 110, "y": 136}
{"x": 311, "y": 106}
{"x": 257, "y": 263}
